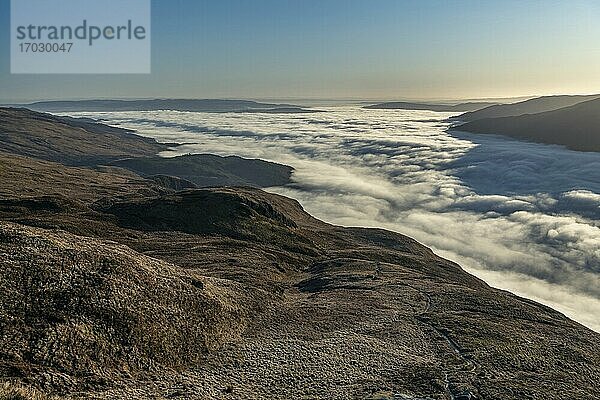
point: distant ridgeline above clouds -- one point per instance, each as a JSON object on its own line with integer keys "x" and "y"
{"x": 531, "y": 106}
{"x": 572, "y": 121}
{"x": 401, "y": 105}
{"x": 193, "y": 105}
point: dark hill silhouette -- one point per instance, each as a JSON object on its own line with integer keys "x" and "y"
{"x": 531, "y": 106}
{"x": 395, "y": 105}
{"x": 576, "y": 127}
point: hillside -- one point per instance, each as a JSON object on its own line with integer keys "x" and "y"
{"x": 576, "y": 127}
{"x": 395, "y": 105}
{"x": 234, "y": 276}
{"x": 113, "y": 286}
{"x": 68, "y": 140}
{"x": 87, "y": 143}
{"x": 531, "y": 106}
{"x": 211, "y": 170}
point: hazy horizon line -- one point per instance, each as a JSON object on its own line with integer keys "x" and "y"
{"x": 300, "y": 98}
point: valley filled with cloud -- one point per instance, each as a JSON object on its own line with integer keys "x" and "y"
{"x": 522, "y": 216}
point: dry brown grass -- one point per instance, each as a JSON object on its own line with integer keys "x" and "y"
{"x": 17, "y": 391}
{"x": 68, "y": 141}
{"x": 88, "y": 310}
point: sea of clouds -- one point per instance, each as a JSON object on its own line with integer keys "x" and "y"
{"x": 522, "y": 216}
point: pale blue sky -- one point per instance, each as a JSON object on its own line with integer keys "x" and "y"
{"x": 382, "y": 49}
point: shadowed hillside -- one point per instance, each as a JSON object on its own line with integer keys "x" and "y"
{"x": 532, "y": 106}
{"x": 68, "y": 140}
{"x": 401, "y": 105}
{"x": 576, "y": 127}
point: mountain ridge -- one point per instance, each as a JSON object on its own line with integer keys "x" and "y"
{"x": 531, "y": 106}
{"x": 577, "y": 127}
{"x": 429, "y": 106}
{"x": 193, "y": 105}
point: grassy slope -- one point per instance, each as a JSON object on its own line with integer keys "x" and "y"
{"x": 212, "y": 170}
{"x": 68, "y": 141}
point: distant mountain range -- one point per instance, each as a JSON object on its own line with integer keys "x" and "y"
{"x": 531, "y": 106}
{"x": 400, "y": 105}
{"x": 576, "y": 127}
{"x": 196, "y": 105}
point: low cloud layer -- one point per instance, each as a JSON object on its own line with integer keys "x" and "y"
{"x": 523, "y": 216}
